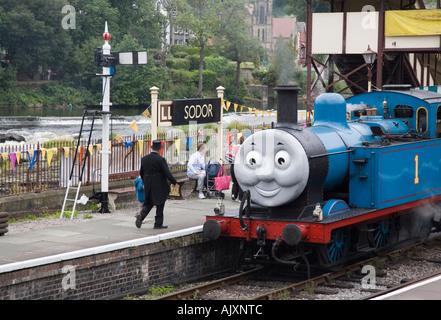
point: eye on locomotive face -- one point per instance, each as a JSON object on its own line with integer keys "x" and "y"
{"x": 273, "y": 166}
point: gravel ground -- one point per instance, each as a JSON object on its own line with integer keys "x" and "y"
{"x": 83, "y": 216}
{"x": 411, "y": 266}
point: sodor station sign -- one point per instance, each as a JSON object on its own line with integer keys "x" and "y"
{"x": 188, "y": 111}
{"x": 199, "y": 110}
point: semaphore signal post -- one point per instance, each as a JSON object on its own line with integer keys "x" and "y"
{"x": 108, "y": 60}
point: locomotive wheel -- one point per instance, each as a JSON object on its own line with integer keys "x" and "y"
{"x": 382, "y": 232}
{"x": 335, "y": 251}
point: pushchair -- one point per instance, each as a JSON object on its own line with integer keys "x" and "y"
{"x": 212, "y": 170}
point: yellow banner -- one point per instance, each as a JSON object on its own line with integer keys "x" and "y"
{"x": 412, "y": 22}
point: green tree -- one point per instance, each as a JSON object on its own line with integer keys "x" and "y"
{"x": 202, "y": 18}
{"x": 234, "y": 38}
{"x": 297, "y": 8}
{"x": 31, "y": 35}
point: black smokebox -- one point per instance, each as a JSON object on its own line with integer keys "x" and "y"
{"x": 287, "y": 96}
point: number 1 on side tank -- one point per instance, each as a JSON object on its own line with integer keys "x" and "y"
{"x": 417, "y": 180}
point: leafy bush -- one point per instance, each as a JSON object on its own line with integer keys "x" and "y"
{"x": 194, "y": 61}
{"x": 182, "y": 76}
{"x": 210, "y": 79}
{"x": 178, "y": 63}
{"x": 217, "y": 64}
{"x": 180, "y": 54}
{"x": 234, "y": 93}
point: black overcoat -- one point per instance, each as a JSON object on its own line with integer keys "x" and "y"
{"x": 155, "y": 173}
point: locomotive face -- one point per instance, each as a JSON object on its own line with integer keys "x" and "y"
{"x": 273, "y": 166}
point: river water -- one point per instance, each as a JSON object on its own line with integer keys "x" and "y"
{"x": 42, "y": 129}
{"x": 46, "y": 128}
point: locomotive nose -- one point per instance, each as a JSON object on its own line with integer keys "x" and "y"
{"x": 265, "y": 172}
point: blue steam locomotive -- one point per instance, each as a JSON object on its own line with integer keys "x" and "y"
{"x": 364, "y": 177}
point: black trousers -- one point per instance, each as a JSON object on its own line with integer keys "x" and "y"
{"x": 159, "y": 218}
{"x": 236, "y": 191}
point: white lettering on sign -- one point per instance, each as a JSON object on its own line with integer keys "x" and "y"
{"x": 198, "y": 111}
{"x": 166, "y": 113}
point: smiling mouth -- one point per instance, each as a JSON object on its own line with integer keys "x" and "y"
{"x": 268, "y": 193}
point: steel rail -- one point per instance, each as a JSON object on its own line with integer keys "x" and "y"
{"x": 327, "y": 277}
{"x": 192, "y": 292}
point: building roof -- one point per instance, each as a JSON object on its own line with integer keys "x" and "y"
{"x": 283, "y": 27}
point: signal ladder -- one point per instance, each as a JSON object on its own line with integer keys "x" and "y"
{"x": 81, "y": 165}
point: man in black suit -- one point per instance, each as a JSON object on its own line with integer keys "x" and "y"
{"x": 154, "y": 173}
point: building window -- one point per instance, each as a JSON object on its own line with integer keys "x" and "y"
{"x": 262, "y": 15}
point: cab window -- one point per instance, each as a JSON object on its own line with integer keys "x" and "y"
{"x": 421, "y": 120}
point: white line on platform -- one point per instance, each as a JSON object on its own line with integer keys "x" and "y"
{"x": 96, "y": 250}
{"x": 413, "y": 286}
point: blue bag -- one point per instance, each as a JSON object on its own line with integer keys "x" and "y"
{"x": 139, "y": 189}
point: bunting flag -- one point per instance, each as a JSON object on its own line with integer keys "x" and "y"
{"x": 127, "y": 144}
{"x": 90, "y": 150}
{"x": 5, "y": 156}
{"x": 119, "y": 137}
{"x": 163, "y": 147}
{"x": 248, "y": 134}
{"x": 228, "y": 139}
{"x": 50, "y": 154}
{"x": 189, "y": 141}
{"x": 250, "y": 110}
{"x": 133, "y": 126}
{"x": 256, "y": 112}
{"x": 207, "y": 139}
{"x": 66, "y": 152}
{"x": 18, "y": 156}
{"x": 263, "y": 113}
{"x": 32, "y": 154}
{"x": 13, "y": 158}
{"x": 43, "y": 153}
{"x": 80, "y": 154}
{"x": 146, "y": 113}
{"x": 177, "y": 144}
{"x": 140, "y": 146}
{"x": 226, "y": 105}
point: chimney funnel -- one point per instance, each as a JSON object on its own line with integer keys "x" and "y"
{"x": 287, "y": 105}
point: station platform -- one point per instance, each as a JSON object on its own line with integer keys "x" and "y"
{"x": 428, "y": 289}
{"x": 108, "y": 229}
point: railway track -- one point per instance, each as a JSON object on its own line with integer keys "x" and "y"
{"x": 252, "y": 284}
{"x": 194, "y": 292}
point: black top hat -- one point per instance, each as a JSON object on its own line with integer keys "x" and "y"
{"x": 156, "y": 145}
